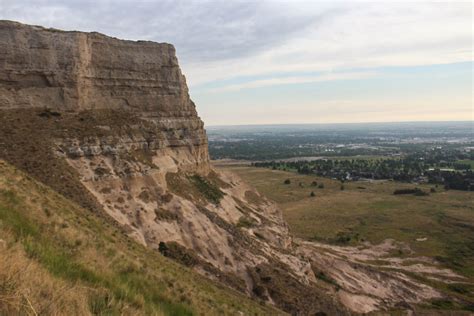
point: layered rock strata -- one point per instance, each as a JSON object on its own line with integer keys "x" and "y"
{"x": 110, "y": 122}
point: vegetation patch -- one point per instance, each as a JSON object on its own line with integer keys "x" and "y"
{"x": 178, "y": 253}
{"x": 245, "y": 222}
{"x": 415, "y": 191}
{"x": 208, "y": 189}
{"x": 195, "y": 188}
{"x": 324, "y": 277}
{"x": 165, "y": 215}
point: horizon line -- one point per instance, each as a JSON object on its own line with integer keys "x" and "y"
{"x": 340, "y": 123}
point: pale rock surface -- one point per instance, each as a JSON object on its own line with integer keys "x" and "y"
{"x": 128, "y": 168}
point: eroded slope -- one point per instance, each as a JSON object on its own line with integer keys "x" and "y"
{"x": 57, "y": 258}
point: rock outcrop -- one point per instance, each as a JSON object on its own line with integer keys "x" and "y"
{"x": 109, "y": 123}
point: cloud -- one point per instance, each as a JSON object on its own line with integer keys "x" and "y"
{"x": 233, "y": 46}
{"x": 364, "y": 36}
{"x": 205, "y": 30}
{"x": 302, "y": 79}
{"x": 220, "y": 39}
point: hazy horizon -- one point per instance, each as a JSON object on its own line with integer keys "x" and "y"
{"x": 344, "y": 123}
{"x": 270, "y": 62}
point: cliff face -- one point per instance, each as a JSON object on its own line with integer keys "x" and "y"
{"x": 109, "y": 123}
{"x": 75, "y": 71}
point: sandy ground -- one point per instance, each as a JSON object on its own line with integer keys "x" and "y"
{"x": 370, "y": 279}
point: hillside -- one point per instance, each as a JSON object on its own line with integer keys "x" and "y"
{"x": 109, "y": 124}
{"x": 110, "y": 205}
{"x": 58, "y": 258}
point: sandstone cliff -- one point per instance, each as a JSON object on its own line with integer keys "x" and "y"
{"x": 109, "y": 123}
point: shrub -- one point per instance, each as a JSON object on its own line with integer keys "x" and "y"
{"x": 421, "y": 193}
{"x": 165, "y": 215}
{"x": 321, "y": 186}
{"x": 175, "y": 251}
{"x": 210, "y": 191}
{"x": 404, "y": 191}
{"x": 415, "y": 191}
{"x": 314, "y": 184}
{"x": 162, "y": 248}
{"x": 245, "y": 221}
{"x": 322, "y": 276}
{"x": 342, "y": 187}
{"x": 346, "y": 237}
{"x": 287, "y": 181}
{"x": 312, "y": 194}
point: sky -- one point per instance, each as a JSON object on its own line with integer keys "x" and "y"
{"x": 287, "y": 62}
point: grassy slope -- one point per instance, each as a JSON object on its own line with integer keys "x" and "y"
{"x": 58, "y": 258}
{"x": 446, "y": 218}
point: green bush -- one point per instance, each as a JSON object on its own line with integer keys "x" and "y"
{"x": 245, "y": 221}
{"x": 210, "y": 191}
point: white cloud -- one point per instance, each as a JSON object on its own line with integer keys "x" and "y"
{"x": 272, "y": 43}
{"x": 294, "y": 80}
{"x": 217, "y": 40}
{"x": 363, "y": 36}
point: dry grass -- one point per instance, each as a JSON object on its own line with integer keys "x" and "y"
{"x": 29, "y": 289}
{"x": 368, "y": 211}
{"x": 59, "y": 258}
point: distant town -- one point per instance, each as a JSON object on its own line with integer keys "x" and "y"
{"x": 441, "y": 153}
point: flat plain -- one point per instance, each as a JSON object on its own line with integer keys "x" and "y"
{"x": 439, "y": 225}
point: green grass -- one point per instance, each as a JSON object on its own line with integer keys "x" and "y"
{"x": 59, "y": 260}
{"x": 210, "y": 190}
{"x": 75, "y": 246}
{"x": 355, "y": 215}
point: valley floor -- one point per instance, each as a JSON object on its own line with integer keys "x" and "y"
{"x": 363, "y": 225}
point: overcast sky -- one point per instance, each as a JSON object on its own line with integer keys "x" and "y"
{"x": 261, "y": 62}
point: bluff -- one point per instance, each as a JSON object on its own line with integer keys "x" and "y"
{"x": 109, "y": 124}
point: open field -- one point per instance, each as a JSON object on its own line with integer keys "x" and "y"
{"x": 439, "y": 225}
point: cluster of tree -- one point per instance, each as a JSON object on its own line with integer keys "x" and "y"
{"x": 412, "y": 168}
{"x": 415, "y": 191}
{"x": 454, "y": 180}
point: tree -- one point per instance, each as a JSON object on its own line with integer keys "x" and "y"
{"x": 163, "y": 248}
